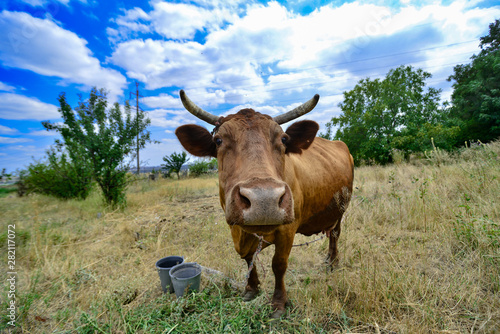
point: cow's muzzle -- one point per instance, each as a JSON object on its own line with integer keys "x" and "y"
{"x": 260, "y": 203}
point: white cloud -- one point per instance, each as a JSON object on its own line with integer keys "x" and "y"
{"x": 174, "y": 20}
{"x": 271, "y": 53}
{"x": 5, "y": 130}
{"x": 132, "y": 22}
{"x": 177, "y": 20}
{"x": 39, "y": 3}
{"x": 20, "y": 107}
{"x": 233, "y": 62}
{"x": 10, "y": 140}
{"x": 26, "y": 148}
{"x": 162, "y": 118}
{"x": 43, "y": 133}
{"x": 6, "y": 88}
{"x": 162, "y": 63}
{"x": 45, "y": 48}
{"x": 162, "y": 101}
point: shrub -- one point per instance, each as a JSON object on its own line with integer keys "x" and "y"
{"x": 59, "y": 177}
{"x": 199, "y": 168}
{"x": 202, "y": 167}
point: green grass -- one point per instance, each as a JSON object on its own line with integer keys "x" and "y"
{"x": 215, "y": 309}
{"x": 7, "y": 191}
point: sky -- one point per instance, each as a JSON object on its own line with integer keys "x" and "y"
{"x": 226, "y": 54}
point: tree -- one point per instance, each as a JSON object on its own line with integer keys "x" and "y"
{"x": 476, "y": 95}
{"x": 101, "y": 139}
{"x": 397, "y": 112}
{"x": 174, "y": 162}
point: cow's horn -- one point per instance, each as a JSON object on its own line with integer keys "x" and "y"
{"x": 197, "y": 111}
{"x": 297, "y": 112}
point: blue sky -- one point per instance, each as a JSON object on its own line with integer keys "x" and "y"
{"x": 226, "y": 54}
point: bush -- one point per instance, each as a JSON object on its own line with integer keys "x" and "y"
{"x": 58, "y": 177}
{"x": 198, "y": 168}
{"x": 202, "y": 167}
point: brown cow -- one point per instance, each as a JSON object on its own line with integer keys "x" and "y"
{"x": 273, "y": 183}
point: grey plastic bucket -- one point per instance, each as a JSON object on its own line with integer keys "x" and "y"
{"x": 163, "y": 266}
{"x": 185, "y": 276}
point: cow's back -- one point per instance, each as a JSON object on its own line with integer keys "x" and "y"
{"x": 321, "y": 181}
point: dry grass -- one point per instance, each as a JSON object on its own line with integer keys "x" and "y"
{"x": 420, "y": 253}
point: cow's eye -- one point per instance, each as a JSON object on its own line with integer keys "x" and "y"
{"x": 284, "y": 140}
{"x": 218, "y": 141}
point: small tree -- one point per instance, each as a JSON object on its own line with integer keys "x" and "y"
{"x": 174, "y": 162}
{"x": 102, "y": 139}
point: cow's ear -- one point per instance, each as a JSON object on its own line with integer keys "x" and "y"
{"x": 196, "y": 140}
{"x": 302, "y": 135}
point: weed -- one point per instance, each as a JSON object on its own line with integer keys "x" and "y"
{"x": 396, "y": 195}
{"x": 437, "y": 156}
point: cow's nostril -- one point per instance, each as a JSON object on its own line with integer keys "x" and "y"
{"x": 245, "y": 201}
{"x": 282, "y": 198}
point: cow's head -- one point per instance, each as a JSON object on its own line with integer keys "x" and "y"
{"x": 250, "y": 148}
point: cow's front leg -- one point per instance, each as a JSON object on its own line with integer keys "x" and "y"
{"x": 246, "y": 245}
{"x": 283, "y": 245}
{"x": 252, "y": 287}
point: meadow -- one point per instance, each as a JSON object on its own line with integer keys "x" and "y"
{"x": 419, "y": 253}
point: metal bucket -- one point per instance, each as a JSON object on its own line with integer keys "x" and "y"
{"x": 164, "y": 266}
{"x": 185, "y": 277}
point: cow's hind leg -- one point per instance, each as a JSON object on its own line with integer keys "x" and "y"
{"x": 252, "y": 287}
{"x": 332, "y": 258}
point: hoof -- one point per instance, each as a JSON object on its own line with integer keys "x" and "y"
{"x": 332, "y": 263}
{"x": 250, "y": 295}
{"x": 277, "y": 314}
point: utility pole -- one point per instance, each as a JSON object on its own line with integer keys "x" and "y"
{"x": 137, "y": 115}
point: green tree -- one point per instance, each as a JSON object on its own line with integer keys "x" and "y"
{"x": 397, "y": 112}
{"x": 174, "y": 162}
{"x": 476, "y": 95}
{"x": 101, "y": 139}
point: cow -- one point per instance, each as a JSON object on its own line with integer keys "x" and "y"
{"x": 273, "y": 183}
